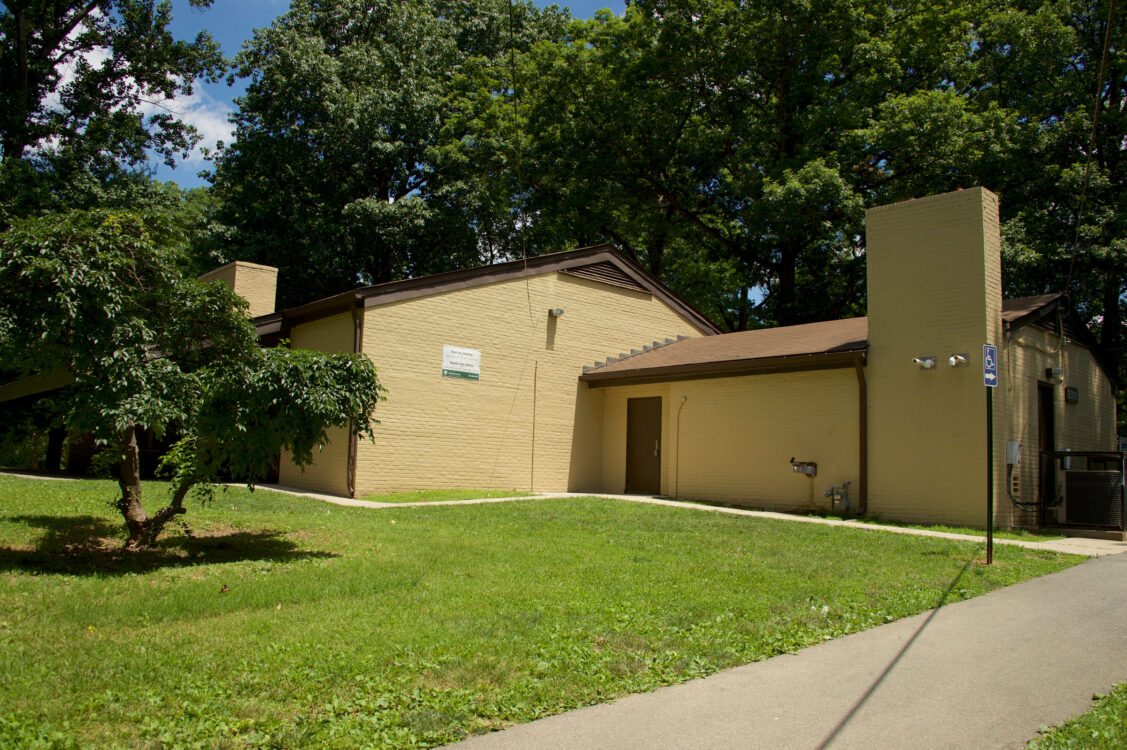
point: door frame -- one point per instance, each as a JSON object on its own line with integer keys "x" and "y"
{"x": 1046, "y": 441}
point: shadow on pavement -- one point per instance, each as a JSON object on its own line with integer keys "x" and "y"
{"x": 892, "y": 664}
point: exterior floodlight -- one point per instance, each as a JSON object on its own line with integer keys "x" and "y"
{"x": 925, "y": 363}
{"x": 959, "y": 360}
{"x": 555, "y": 312}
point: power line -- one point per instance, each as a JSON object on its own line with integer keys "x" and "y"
{"x": 1091, "y": 144}
{"x": 519, "y": 145}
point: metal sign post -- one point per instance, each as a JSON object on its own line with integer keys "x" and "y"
{"x": 990, "y": 380}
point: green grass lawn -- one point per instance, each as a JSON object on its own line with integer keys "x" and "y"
{"x": 280, "y": 621}
{"x": 425, "y": 496}
{"x": 1022, "y": 535}
{"x": 1103, "y": 727}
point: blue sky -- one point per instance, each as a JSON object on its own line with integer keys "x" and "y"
{"x": 231, "y": 22}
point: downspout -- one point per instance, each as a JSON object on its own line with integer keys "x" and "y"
{"x": 677, "y": 448}
{"x": 357, "y": 348}
{"x": 863, "y": 444}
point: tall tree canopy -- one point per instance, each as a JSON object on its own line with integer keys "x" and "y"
{"x": 337, "y": 174}
{"x": 719, "y": 142}
{"x": 74, "y": 75}
{"x": 1067, "y": 214}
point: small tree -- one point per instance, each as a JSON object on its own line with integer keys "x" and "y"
{"x": 92, "y": 295}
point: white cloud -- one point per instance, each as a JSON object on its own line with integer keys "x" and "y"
{"x": 201, "y": 110}
{"x": 206, "y": 113}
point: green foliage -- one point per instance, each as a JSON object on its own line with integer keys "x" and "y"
{"x": 413, "y": 627}
{"x": 1104, "y": 727}
{"x": 338, "y": 175}
{"x": 91, "y": 295}
{"x": 246, "y": 414}
{"x": 1066, "y": 196}
{"x": 94, "y": 298}
{"x": 732, "y": 128}
{"x": 73, "y": 78}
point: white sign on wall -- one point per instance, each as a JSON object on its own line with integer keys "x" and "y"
{"x": 459, "y": 362}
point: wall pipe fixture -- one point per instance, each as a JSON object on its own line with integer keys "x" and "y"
{"x": 353, "y": 439}
{"x": 925, "y": 363}
{"x": 959, "y": 360}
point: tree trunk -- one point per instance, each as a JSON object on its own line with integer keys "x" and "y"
{"x": 655, "y": 249}
{"x": 129, "y": 479}
{"x": 55, "y": 440}
{"x": 1111, "y": 332}
{"x": 785, "y": 313}
{"x": 143, "y": 529}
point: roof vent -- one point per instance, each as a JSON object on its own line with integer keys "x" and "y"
{"x": 605, "y": 272}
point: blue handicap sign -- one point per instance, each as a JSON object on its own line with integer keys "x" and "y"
{"x": 990, "y": 365}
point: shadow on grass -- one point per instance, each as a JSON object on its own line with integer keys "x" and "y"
{"x": 88, "y": 545}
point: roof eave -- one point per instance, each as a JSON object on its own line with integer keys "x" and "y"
{"x": 395, "y": 291}
{"x": 726, "y": 369}
{"x": 1085, "y": 338}
{"x": 1036, "y": 315}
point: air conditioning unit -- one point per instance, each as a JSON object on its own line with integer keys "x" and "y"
{"x": 1093, "y": 498}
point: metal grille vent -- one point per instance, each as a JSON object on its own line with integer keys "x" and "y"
{"x": 607, "y": 273}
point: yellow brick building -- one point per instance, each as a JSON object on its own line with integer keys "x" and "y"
{"x": 578, "y": 371}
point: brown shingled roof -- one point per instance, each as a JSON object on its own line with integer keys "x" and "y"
{"x": 1016, "y": 309}
{"x": 836, "y": 343}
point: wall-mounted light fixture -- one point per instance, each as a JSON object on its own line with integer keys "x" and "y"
{"x": 925, "y": 363}
{"x": 959, "y": 360}
{"x": 555, "y": 312}
{"x": 1055, "y": 374}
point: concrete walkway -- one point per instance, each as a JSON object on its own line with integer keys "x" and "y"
{"x": 982, "y": 673}
{"x": 1073, "y": 546}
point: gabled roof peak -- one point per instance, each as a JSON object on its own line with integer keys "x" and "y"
{"x": 600, "y": 263}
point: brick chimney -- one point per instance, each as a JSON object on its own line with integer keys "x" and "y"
{"x": 255, "y": 283}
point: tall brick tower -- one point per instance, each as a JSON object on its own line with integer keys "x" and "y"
{"x": 935, "y": 295}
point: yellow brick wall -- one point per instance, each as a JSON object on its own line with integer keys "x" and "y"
{"x": 934, "y": 289}
{"x": 1087, "y": 425}
{"x": 528, "y": 422}
{"x": 731, "y": 439}
{"x": 255, "y": 283}
{"x": 329, "y": 471}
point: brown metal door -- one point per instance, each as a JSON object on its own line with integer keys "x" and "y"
{"x": 1046, "y": 432}
{"x": 643, "y": 446}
